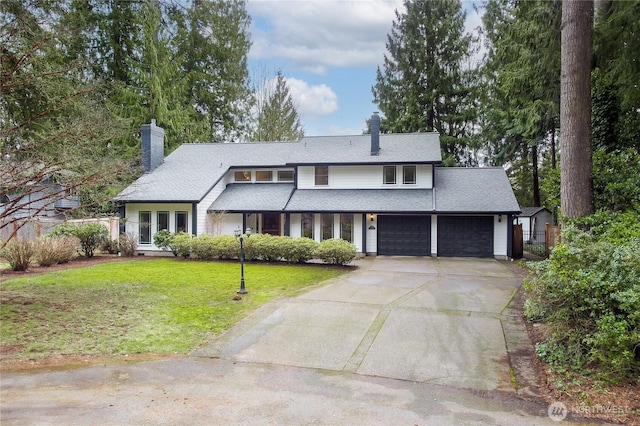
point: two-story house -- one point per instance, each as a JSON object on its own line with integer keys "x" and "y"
{"x": 385, "y": 193}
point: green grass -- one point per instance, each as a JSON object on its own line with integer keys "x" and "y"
{"x": 159, "y": 306}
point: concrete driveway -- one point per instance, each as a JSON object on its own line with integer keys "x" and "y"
{"x": 414, "y": 341}
{"x": 421, "y": 319}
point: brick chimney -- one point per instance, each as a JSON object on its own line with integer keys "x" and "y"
{"x": 375, "y": 134}
{"x": 152, "y": 146}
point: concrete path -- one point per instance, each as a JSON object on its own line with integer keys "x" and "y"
{"x": 412, "y": 341}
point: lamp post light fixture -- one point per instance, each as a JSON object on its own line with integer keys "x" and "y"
{"x": 240, "y": 237}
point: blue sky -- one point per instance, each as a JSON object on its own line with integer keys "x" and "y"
{"x": 329, "y": 51}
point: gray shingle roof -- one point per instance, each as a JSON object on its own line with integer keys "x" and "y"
{"x": 474, "y": 190}
{"x": 531, "y": 211}
{"x": 189, "y": 173}
{"x": 247, "y": 197}
{"x": 361, "y": 200}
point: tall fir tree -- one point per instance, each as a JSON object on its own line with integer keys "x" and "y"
{"x": 215, "y": 43}
{"x": 423, "y": 84}
{"x": 576, "y": 185}
{"x": 278, "y": 118}
{"x": 522, "y": 90}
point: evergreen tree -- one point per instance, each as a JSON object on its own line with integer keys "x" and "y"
{"x": 423, "y": 85}
{"x": 215, "y": 43}
{"x": 576, "y": 187}
{"x": 522, "y": 83}
{"x": 278, "y": 118}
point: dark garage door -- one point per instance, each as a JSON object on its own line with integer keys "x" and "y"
{"x": 404, "y": 235}
{"x": 470, "y": 236}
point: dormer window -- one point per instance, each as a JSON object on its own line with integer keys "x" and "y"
{"x": 264, "y": 176}
{"x": 242, "y": 176}
{"x": 408, "y": 175}
{"x": 389, "y": 175}
{"x": 285, "y": 175}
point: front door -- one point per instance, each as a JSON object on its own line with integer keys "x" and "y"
{"x": 271, "y": 223}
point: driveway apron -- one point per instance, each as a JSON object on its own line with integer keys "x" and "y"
{"x": 421, "y": 319}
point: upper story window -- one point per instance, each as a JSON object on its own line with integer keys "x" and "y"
{"x": 322, "y": 175}
{"x": 389, "y": 175}
{"x": 285, "y": 175}
{"x": 264, "y": 176}
{"x": 409, "y": 174}
{"x": 242, "y": 176}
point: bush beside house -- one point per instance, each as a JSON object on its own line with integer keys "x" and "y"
{"x": 264, "y": 247}
{"x": 588, "y": 295}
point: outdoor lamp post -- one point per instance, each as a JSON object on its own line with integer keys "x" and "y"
{"x": 240, "y": 237}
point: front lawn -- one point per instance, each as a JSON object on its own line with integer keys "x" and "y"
{"x": 160, "y": 306}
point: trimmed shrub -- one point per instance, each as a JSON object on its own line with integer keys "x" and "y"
{"x": 128, "y": 244}
{"x": 262, "y": 246}
{"x": 111, "y": 246}
{"x": 67, "y": 249}
{"x": 51, "y": 250}
{"x": 91, "y": 235}
{"x": 19, "y": 253}
{"x": 588, "y": 293}
{"x": 163, "y": 239}
{"x": 298, "y": 250}
{"x": 181, "y": 244}
{"x": 336, "y": 251}
{"x": 203, "y": 247}
{"x": 226, "y": 247}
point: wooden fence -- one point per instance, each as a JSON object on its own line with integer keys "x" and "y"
{"x": 32, "y": 229}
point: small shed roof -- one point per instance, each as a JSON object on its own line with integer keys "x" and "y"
{"x": 532, "y": 211}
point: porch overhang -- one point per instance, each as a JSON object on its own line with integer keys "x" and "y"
{"x": 258, "y": 197}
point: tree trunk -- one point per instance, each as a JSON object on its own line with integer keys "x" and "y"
{"x": 534, "y": 172}
{"x": 576, "y": 187}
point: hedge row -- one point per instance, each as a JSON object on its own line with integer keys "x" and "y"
{"x": 256, "y": 247}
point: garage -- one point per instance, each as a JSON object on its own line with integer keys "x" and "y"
{"x": 404, "y": 235}
{"x": 465, "y": 236}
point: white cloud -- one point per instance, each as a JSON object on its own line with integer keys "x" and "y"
{"x": 312, "y": 102}
{"x": 322, "y": 33}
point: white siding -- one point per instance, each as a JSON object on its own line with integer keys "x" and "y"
{"x": 372, "y": 234}
{"x": 526, "y": 222}
{"x": 362, "y": 177}
{"x": 357, "y": 232}
{"x": 230, "y": 223}
{"x": 295, "y": 225}
{"x": 500, "y": 229}
{"x": 205, "y": 223}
